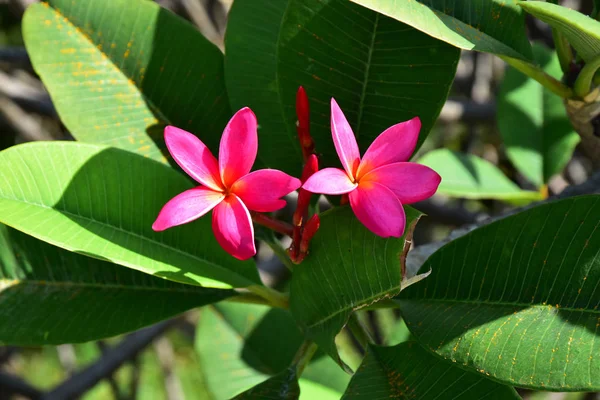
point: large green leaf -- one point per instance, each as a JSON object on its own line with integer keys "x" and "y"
{"x": 54, "y": 296}
{"x": 471, "y": 177}
{"x": 492, "y": 26}
{"x": 348, "y": 268}
{"x": 381, "y": 72}
{"x": 582, "y": 32}
{"x": 253, "y": 342}
{"x": 118, "y": 71}
{"x": 407, "y": 371}
{"x": 517, "y": 300}
{"x": 102, "y": 201}
{"x": 533, "y": 122}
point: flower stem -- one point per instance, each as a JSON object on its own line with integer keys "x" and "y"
{"x": 274, "y": 298}
{"x": 271, "y": 223}
{"x": 583, "y": 83}
{"x": 563, "y": 50}
{"x": 248, "y": 298}
{"x": 280, "y": 252}
{"x": 534, "y": 72}
{"x": 303, "y": 356}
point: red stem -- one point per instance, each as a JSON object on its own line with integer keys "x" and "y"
{"x": 278, "y": 226}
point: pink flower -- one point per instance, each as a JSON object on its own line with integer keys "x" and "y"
{"x": 380, "y": 183}
{"x": 227, "y": 186}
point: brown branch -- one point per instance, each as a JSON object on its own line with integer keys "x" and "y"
{"x": 113, "y": 359}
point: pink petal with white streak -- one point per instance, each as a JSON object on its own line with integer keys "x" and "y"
{"x": 193, "y": 157}
{"x": 377, "y": 208}
{"x": 329, "y": 181}
{"x": 238, "y": 147}
{"x": 232, "y": 226}
{"x": 186, "y": 207}
{"x": 344, "y": 140}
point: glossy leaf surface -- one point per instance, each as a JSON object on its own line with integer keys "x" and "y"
{"x": 517, "y": 300}
{"x": 101, "y": 202}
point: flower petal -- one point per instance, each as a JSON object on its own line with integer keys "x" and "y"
{"x": 395, "y": 144}
{"x": 186, "y": 207}
{"x": 238, "y": 147}
{"x": 193, "y": 157}
{"x": 344, "y": 140}
{"x": 378, "y": 209}
{"x": 233, "y": 228}
{"x": 329, "y": 181}
{"x": 261, "y": 190}
{"x": 410, "y": 182}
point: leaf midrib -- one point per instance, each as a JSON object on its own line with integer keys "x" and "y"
{"x": 365, "y": 302}
{"x": 501, "y": 304}
{"x": 363, "y": 93}
{"x": 114, "y": 286}
{"x": 143, "y": 238}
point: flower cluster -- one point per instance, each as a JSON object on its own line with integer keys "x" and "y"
{"x": 377, "y": 186}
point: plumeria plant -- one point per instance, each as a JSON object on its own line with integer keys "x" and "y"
{"x": 304, "y": 138}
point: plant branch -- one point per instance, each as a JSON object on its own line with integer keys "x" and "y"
{"x": 534, "y": 72}
{"x": 274, "y": 298}
{"x": 563, "y": 50}
{"x": 108, "y": 363}
{"x": 303, "y": 356}
{"x": 583, "y": 83}
{"x": 13, "y": 385}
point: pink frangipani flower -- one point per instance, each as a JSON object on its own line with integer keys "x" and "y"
{"x": 380, "y": 183}
{"x": 226, "y": 186}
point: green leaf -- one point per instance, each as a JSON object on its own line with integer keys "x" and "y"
{"x": 533, "y": 122}
{"x": 491, "y": 26}
{"x": 380, "y": 71}
{"x": 407, "y": 371}
{"x": 517, "y": 300}
{"x": 348, "y": 268}
{"x": 471, "y": 177}
{"x": 283, "y": 386}
{"x": 101, "y": 202}
{"x": 255, "y": 342}
{"x": 55, "y": 296}
{"x": 582, "y": 32}
{"x": 118, "y": 71}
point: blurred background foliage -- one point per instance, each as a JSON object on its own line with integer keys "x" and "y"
{"x": 164, "y": 362}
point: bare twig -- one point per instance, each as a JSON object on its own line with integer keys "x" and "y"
{"x": 23, "y": 123}
{"x": 67, "y": 358}
{"x": 15, "y": 56}
{"x": 420, "y": 254}
{"x": 26, "y": 94}
{"x": 12, "y": 385}
{"x": 199, "y": 16}
{"x": 447, "y": 215}
{"x": 108, "y": 363}
{"x": 111, "y": 378}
